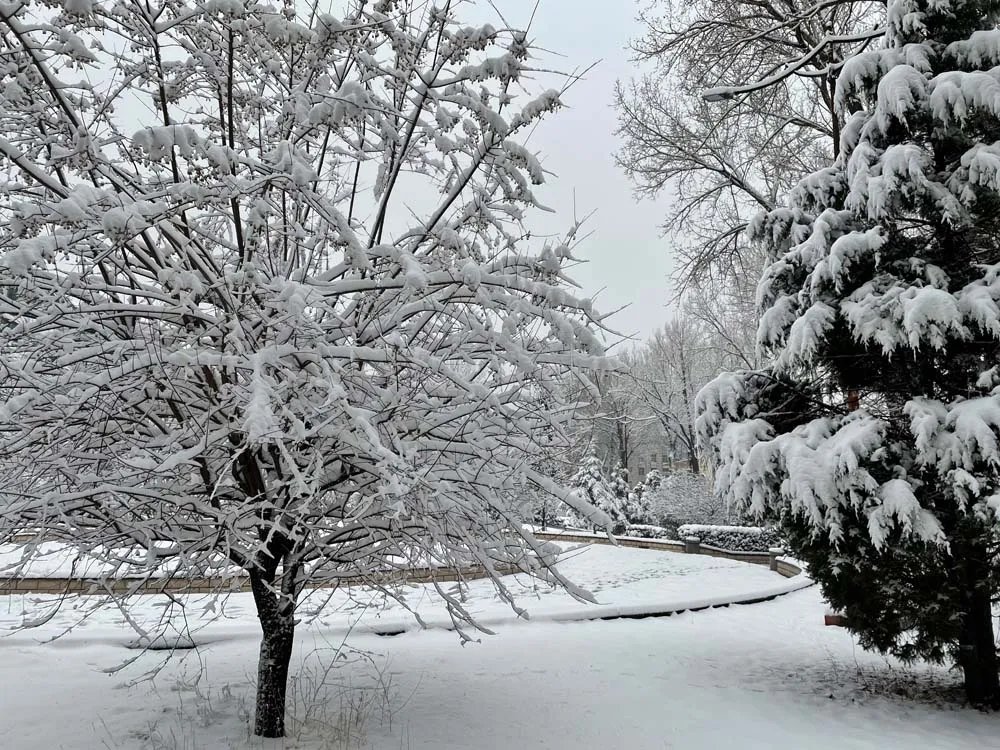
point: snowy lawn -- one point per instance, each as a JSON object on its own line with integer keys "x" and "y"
{"x": 766, "y": 675}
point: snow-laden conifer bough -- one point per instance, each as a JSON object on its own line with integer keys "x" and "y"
{"x": 266, "y": 297}
{"x": 874, "y": 435}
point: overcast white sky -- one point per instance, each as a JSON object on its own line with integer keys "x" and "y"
{"x": 629, "y": 262}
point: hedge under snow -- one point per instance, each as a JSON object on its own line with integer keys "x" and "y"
{"x": 733, "y": 538}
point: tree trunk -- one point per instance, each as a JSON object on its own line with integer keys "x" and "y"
{"x": 277, "y": 626}
{"x": 623, "y": 443}
{"x": 977, "y": 650}
{"x": 853, "y": 399}
{"x": 693, "y": 461}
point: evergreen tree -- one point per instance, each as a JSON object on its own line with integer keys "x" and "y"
{"x": 874, "y": 436}
{"x": 601, "y": 491}
{"x": 619, "y": 483}
{"x": 653, "y": 480}
{"x": 641, "y": 497}
{"x": 627, "y": 501}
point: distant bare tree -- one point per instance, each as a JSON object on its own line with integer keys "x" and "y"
{"x": 605, "y": 423}
{"x": 727, "y": 312}
{"x": 737, "y": 104}
{"x": 670, "y": 368}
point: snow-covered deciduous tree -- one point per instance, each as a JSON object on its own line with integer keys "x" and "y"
{"x": 611, "y": 423}
{"x": 875, "y": 437}
{"x": 683, "y": 497}
{"x": 645, "y": 415}
{"x": 726, "y": 310}
{"x": 670, "y": 369}
{"x": 615, "y": 429}
{"x": 735, "y": 101}
{"x": 265, "y": 299}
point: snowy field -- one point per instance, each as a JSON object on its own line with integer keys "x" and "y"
{"x": 768, "y": 675}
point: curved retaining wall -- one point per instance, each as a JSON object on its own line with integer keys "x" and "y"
{"x": 787, "y": 567}
{"x": 221, "y": 584}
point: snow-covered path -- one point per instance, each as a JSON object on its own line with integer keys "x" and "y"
{"x": 763, "y": 676}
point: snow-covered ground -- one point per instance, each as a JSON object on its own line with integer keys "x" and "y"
{"x": 761, "y": 676}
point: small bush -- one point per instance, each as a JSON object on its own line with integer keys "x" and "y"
{"x": 733, "y": 538}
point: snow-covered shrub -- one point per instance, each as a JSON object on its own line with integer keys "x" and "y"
{"x": 646, "y": 531}
{"x": 682, "y": 498}
{"x": 733, "y": 538}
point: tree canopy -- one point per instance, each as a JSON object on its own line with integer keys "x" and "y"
{"x": 266, "y": 297}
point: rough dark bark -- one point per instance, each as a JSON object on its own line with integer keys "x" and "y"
{"x": 977, "y": 653}
{"x": 277, "y": 625}
{"x": 624, "y": 443}
{"x": 693, "y": 461}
